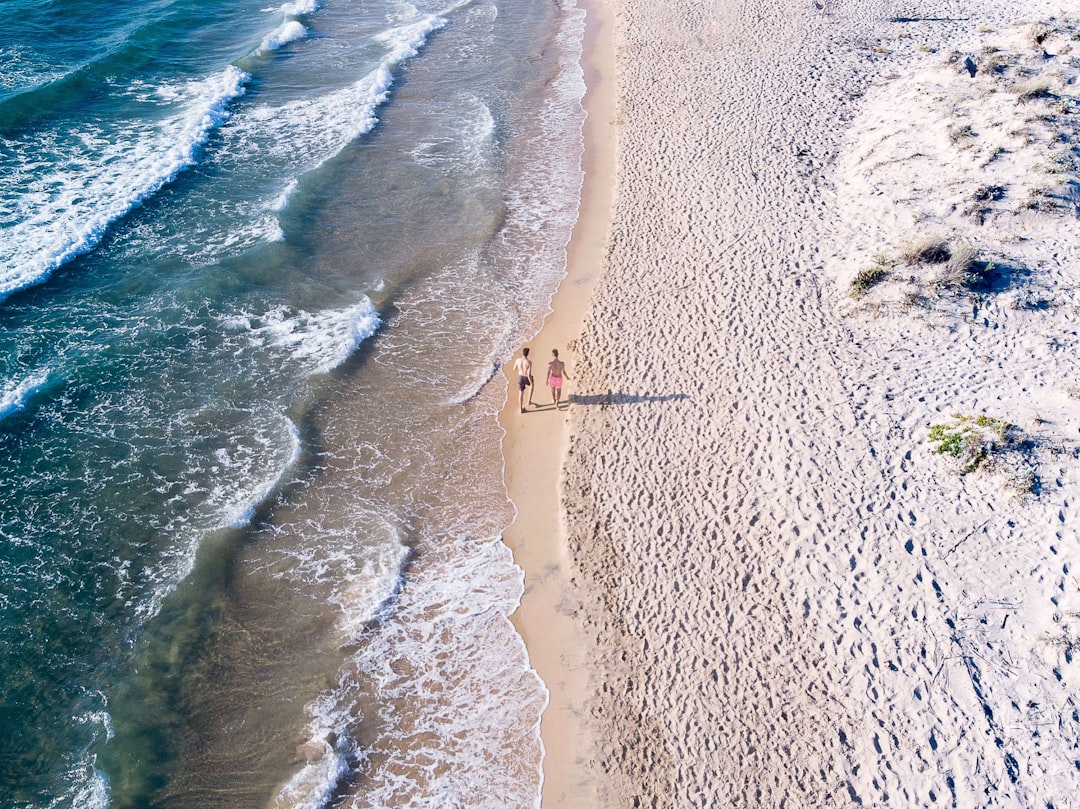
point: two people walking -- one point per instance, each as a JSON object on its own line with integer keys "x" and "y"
{"x": 556, "y": 373}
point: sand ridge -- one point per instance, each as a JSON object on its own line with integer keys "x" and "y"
{"x": 790, "y": 601}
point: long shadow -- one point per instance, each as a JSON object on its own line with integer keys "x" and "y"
{"x": 992, "y": 278}
{"x": 929, "y": 19}
{"x": 604, "y": 399}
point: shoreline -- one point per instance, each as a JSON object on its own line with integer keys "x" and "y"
{"x": 535, "y": 443}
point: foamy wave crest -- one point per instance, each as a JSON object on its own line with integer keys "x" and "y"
{"x": 89, "y": 789}
{"x": 68, "y": 210}
{"x": 241, "y": 508}
{"x": 222, "y": 488}
{"x": 473, "y": 738}
{"x": 310, "y": 132}
{"x": 23, "y": 69}
{"x": 319, "y": 342}
{"x": 299, "y": 7}
{"x": 474, "y": 379}
{"x": 14, "y": 395}
{"x": 282, "y": 201}
{"x": 361, "y": 575}
{"x": 359, "y": 569}
{"x": 288, "y": 31}
{"x": 405, "y": 41}
{"x": 326, "y": 755}
{"x": 472, "y": 129}
{"x": 484, "y": 127}
{"x": 474, "y": 382}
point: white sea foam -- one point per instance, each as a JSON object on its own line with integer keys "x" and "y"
{"x": 502, "y": 329}
{"x": 89, "y": 788}
{"x": 22, "y": 69}
{"x": 319, "y": 342}
{"x": 311, "y": 131}
{"x": 66, "y": 211}
{"x": 260, "y": 230}
{"x": 240, "y": 506}
{"x": 406, "y": 40}
{"x": 101, "y": 718}
{"x": 472, "y": 713}
{"x": 220, "y": 489}
{"x": 403, "y": 11}
{"x": 287, "y": 193}
{"x": 358, "y": 568}
{"x": 14, "y": 395}
{"x": 288, "y": 31}
{"x": 483, "y": 129}
{"x": 469, "y": 670}
{"x": 474, "y": 382}
{"x": 326, "y": 752}
{"x": 299, "y": 8}
{"x": 314, "y": 785}
{"x": 362, "y": 576}
{"x": 472, "y": 128}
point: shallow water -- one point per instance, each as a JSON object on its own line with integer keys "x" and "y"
{"x": 258, "y": 268}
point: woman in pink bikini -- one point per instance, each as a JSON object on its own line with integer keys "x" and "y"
{"x": 555, "y": 375}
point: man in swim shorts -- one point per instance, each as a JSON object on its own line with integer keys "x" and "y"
{"x": 555, "y": 375}
{"x": 523, "y": 369}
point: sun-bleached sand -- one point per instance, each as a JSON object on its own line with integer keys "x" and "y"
{"x": 820, "y": 480}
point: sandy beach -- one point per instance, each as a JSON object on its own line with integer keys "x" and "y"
{"x": 535, "y": 445}
{"x": 806, "y": 535}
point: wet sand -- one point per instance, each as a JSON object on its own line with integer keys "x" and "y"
{"x": 535, "y": 446}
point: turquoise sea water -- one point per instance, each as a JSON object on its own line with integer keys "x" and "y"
{"x": 258, "y": 266}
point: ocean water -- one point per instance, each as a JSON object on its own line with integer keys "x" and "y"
{"x": 259, "y": 265}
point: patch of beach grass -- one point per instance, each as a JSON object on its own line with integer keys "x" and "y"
{"x": 1064, "y": 640}
{"x": 979, "y": 442}
{"x": 1040, "y": 199}
{"x": 962, "y": 270}
{"x": 961, "y": 134}
{"x": 911, "y": 299}
{"x": 971, "y": 439}
{"x": 1032, "y": 91}
{"x": 928, "y": 250}
{"x": 989, "y": 193}
{"x": 865, "y": 279}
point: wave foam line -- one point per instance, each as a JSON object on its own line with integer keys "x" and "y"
{"x": 331, "y": 752}
{"x": 404, "y": 43}
{"x": 287, "y": 193}
{"x": 75, "y": 220}
{"x": 298, "y": 8}
{"x": 318, "y": 342}
{"x": 291, "y": 29}
{"x": 15, "y": 395}
{"x": 327, "y": 753}
{"x": 288, "y": 31}
{"x": 241, "y": 512}
{"x": 324, "y": 126}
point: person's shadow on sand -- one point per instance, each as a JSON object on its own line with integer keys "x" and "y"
{"x": 608, "y": 399}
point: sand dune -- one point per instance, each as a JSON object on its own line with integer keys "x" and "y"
{"x": 790, "y": 598}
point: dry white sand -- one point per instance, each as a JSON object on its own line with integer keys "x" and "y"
{"x": 789, "y": 598}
